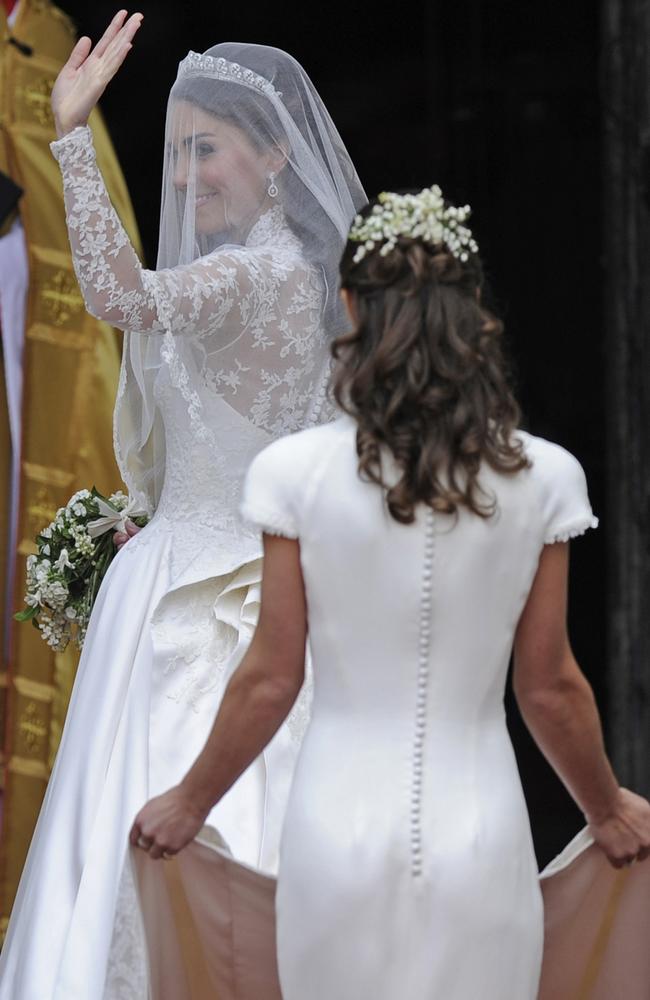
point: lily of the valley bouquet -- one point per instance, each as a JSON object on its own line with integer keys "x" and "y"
{"x": 74, "y": 552}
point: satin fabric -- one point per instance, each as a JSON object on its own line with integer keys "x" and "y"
{"x": 173, "y": 617}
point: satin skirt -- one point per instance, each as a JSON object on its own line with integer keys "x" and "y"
{"x": 166, "y": 633}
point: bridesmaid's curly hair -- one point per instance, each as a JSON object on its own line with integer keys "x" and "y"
{"x": 424, "y": 376}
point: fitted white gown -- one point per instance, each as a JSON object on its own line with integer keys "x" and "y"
{"x": 180, "y": 601}
{"x": 407, "y": 868}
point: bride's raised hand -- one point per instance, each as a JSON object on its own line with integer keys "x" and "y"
{"x": 85, "y": 76}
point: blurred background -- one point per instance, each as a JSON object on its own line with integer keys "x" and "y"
{"x": 514, "y": 108}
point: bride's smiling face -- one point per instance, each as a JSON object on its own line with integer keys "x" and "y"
{"x": 231, "y": 174}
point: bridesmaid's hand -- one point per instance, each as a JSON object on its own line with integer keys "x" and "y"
{"x": 624, "y": 834}
{"x": 84, "y": 78}
{"x": 167, "y": 824}
{"x": 120, "y": 538}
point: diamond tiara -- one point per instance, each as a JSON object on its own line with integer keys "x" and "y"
{"x": 197, "y": 64}
{"x": 419, "y": 216}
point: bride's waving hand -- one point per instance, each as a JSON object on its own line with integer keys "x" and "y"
{"x": 88, "y": 71}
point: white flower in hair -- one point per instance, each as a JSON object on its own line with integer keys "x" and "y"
{"x": 419, "y": 216}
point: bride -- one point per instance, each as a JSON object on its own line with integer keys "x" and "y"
{"x": 226, "y": 347}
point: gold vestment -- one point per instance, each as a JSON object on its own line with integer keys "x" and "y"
{"x": 70, "y": 371}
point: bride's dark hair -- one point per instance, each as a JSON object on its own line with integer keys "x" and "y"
{"x": 423, "y": 375}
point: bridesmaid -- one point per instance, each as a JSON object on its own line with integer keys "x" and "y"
{"x": 418, "y": 538}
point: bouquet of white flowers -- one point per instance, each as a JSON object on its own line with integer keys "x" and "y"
{"x": 74, "y": 552}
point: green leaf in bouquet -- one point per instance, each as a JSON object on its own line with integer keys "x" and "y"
{"x": 26, "y": 614}
{"x": 96, "y": 495}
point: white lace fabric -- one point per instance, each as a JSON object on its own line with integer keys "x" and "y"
{"x": 258, "y": 192}
{"x": 252, "y": 314}
{"x": 254, "y": 308}
{"x": 109, "y": 272}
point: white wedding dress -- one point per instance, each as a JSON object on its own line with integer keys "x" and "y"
{"x": 179, "y": 602}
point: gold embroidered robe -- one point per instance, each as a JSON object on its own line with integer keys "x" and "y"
{"x": 70, "y": 371}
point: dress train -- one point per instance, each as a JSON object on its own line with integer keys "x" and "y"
{"x": 210, "y": 926}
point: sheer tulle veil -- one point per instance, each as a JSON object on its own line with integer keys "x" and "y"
{"x": 263, "y": 96}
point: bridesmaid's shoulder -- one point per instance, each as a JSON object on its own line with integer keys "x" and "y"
{"x": 549, "y": 460}
{"x": 309, "y": 446}
{"x": 542, "y": 449}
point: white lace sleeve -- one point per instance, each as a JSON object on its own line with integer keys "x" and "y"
{"x": 115, "y": 286}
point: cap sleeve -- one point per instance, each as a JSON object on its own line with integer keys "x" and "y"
{"x": 270, "y": 499}
{"x": 567, "y": 511}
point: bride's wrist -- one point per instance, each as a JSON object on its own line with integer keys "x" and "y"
{"x": 63, "y": 126}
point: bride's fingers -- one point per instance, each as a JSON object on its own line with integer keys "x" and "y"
{"x": 119, "y": 46}
{"x": 110, "y": 33}
{"x": 115, "y": 60}
{"x": 79, "y": 53}
{"x": 126, "y": 32}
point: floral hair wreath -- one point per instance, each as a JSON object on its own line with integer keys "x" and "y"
{"x": 422, "y": 216}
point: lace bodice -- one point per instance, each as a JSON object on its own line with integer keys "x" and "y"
{"x": 236, "y": 337}
{"x": 203, "y": 482}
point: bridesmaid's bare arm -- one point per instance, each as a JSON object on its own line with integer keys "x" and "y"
{"x": 256, "y": 702}
{"x": 559, "y": 708}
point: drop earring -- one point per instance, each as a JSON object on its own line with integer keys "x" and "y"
{"x": 272, "y": 189}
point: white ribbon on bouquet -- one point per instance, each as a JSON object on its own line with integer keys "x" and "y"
{"x": 113, "y": 520}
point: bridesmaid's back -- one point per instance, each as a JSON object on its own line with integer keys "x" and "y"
{"x": 374, "y": 585}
